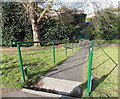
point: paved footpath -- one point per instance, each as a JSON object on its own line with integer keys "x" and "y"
{"x": 72, "y": 69}
{"x": 66, "y": 78}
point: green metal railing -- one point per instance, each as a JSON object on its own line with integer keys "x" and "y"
{"x": 53, "y": 52}
{"x": 89, "y": 82}
{"x": 72, "y": 46}
{"x": 27, "y": 42}
{"x": 21, "y": 63}
{"x": 66, "y": 48}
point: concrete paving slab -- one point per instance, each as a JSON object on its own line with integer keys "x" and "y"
{"x": 59, "y": 85}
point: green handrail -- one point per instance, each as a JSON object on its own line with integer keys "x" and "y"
{"x": 90, "y": 69}
{"x": 92, "y": 43}
{"x": 89, "y": 72}
{"x": 72, "y": 46}
{"x": 26, "y": 42}
{"x": 66, "y": 48}
{"x": 21, "y": 63}
{"x": 53, "y": 52}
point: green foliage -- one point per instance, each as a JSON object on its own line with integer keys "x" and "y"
{"x": 79, "y": 19}
{"x": 72, "y": 18}
{"x": 89, "y": 19}
{"x": 52, "y": 29}
{"x": 67, "y": 17}
{"x": 16, "y": 26}
{"x": 106, "y": 25}
{"x": 87, "y": 31}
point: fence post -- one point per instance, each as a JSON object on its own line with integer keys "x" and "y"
{"x": 89, "y": 70}
{"x": 66, "y": 48}
{"x": 92, "y": 43}
{"x": 72, "y": 46}
{"x": 79, "y": 42}
{"x": 53, "y": 52}
{"x": 76, "y": 44}
{"x": 21, "y": 63}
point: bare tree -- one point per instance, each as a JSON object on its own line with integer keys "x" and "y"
{"x": 36, "y": 16}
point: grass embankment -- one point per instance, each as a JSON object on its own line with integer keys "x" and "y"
{"x": 105, "y": 71}
{"x": 36, "y": 61}
{"x": 108, "y": 41}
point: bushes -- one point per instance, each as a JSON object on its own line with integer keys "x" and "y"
{"x": 103, "y": 26}
{"x": 54, "y": 30}
{"x": 106, "y": 25}
{"x": 16, "y": 26}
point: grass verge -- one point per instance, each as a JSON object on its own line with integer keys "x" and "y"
{"x": 37, "y": 63}
{"x": 109, "y": 41}
{"x": 105, "y": 72}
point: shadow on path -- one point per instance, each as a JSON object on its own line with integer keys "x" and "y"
{"x": 65, "y": 69}
{"x": 74, "y": 60}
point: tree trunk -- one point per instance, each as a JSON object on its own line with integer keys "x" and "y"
{"x": 35, "y": 25}
{"x": 36, "y": 32}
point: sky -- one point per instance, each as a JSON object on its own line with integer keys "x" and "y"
{"x": 89, "y": 5}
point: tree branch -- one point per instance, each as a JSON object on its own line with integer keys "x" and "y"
{"x": 45, "y": 10}
{"x": 25, "y": 5}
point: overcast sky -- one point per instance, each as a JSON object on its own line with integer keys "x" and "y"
{"x": 89, "y": 5}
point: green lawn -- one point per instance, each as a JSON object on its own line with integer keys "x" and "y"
{"x": 36, "y": 61}
{"x": 109, "y": 41}
{"x": 105, "y": 71}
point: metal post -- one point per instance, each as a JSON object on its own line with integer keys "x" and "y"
{"x": 79, "y": 43}
{"x": 21, "y": 63}
{"x": 53, "y": 52}
{"x": 89, "y": 72}
{"x": 92, "y": 43}
{"x": 76, "y": 45}
{"x": 66, "y": 49}
{"x": 72, "y": 46}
